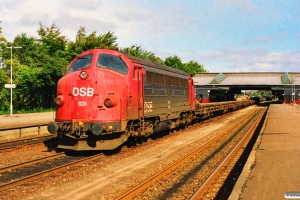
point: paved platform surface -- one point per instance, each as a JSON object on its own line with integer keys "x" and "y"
{"x": 273, "y": 167}
{"x": 16, "y": 120}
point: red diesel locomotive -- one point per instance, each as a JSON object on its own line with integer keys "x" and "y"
{"x": 107, "y": 96}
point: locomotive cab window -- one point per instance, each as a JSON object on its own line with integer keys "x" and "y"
{"x": 112, "y": 62}
{"x": 80, "y": 63}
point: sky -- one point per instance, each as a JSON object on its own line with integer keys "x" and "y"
{"x": 222, "y": 35}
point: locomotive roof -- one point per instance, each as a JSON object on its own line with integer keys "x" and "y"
{"x": 156, "y": 65}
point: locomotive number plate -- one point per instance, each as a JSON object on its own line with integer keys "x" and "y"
{"x": 82, "y": 103}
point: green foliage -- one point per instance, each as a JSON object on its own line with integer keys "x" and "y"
{"x": 260, "y": 93}
{"x": 4, "y": 93}
{"x": 107, "y": 41}
{"x": 3, "y": 42}
{"x": 174, "y": 61}
{"x": 137, "y": 51}
{"x": 27, "y": 93}
{"x": 51, "y": 39}
{"x": 192, "y": 67}
{"x": 84, "y": 42}
{"x": 36, "y": 69}
{"x": 32, "y": 52}
{"x": 42, "y": 61}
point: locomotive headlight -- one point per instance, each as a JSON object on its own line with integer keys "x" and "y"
{"x": 111, "y": 101}
{"x": 83, "y": 75}
{"x": 108, "y": 102}
{"x": 59, "y": 100}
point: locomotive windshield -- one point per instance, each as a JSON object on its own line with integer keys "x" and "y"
{"x": 80, "y": 63}
{"x": 112, "y": 62}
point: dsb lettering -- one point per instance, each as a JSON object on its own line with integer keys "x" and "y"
{"x": 83, "y": 91}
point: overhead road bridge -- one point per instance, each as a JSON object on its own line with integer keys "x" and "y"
{"x": 214, "y": 87}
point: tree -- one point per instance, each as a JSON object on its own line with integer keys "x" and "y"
{"x": 3, "y": 42}
{"x": 137, "y": 51}
{"x": 32, "y": 52}
{"x": 4, "y": 92}
{"x": 78, "y": 46}
{"x": 3, "y": 76}
{"x": 52, "y": 39}
{"x": 107, "y": 41}
{"x": 175, "y": 62}
{"x": 192, "y": 67}
{"x": 42, "y": 61}
{"x": 37, "y": 69}
{"x": 84, "y": 42}
{"x": 4, "y": 73}
{"x": 28, "y": 93}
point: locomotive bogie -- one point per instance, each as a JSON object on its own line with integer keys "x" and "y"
{"x": 102, "y": 142}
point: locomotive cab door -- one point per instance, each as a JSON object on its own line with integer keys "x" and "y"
{"x": 136, "y": 94}
{"x": 141, "y": 73}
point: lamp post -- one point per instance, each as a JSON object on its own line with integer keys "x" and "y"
{"x": 11, "y": 86}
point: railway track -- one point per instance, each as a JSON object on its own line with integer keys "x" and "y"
{"x": 20, "y": 173}
{"x": 201, "y": 173}
{"x": 212, "y": 184}
{"x": 171, "y": 183}
{"x": 24, "y": 142}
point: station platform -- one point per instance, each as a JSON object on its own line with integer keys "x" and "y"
{"x": 273, "y": 167}
{"x": 17, "y": 120}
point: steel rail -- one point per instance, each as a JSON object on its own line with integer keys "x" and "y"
{"x": 45, "y": 173}
{"x": 141, "y": 187}
{"x": 205, "y": 186}
{"x": 24, "y": 139}
{"x": 3, "y": 147}
{"x": 31, "y": 162}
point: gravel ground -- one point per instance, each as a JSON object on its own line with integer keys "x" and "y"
{"x": 111, "y": 175}
{"x": 23, "y": 153}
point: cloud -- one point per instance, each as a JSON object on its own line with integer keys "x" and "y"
{"x": 242, "y": 4}
{"x": 211, "y": 33}
{"x": 25, "y": 17}
{"x": 32, "y": 19}
{"x": 261, "y": 40}
{"x": 70, "y": 25}
{"x": 80, "y": 5}
{"x": 298, "y": 37}
{"x": 247, "y": 60}
{"x": 165, "y": 20}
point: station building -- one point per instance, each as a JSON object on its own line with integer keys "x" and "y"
{"x": 216, "y": 87}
